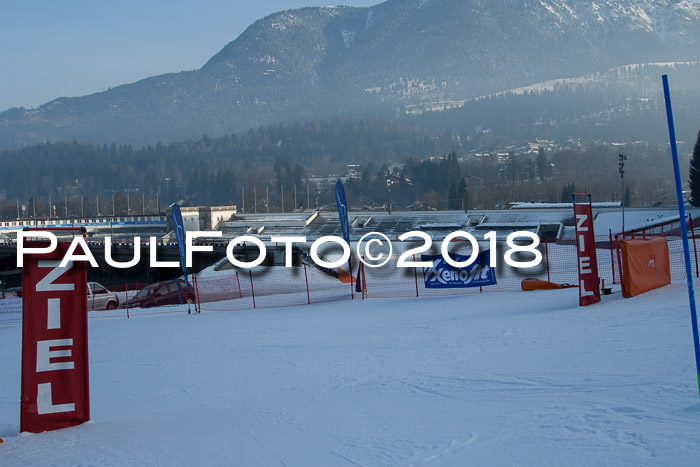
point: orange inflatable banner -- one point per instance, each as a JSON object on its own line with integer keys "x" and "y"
{"x": 645, "y": 265}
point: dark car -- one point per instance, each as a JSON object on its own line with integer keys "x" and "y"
{"x": 165, "y": 293}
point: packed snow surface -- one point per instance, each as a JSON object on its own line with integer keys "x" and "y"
{"x": 512, "y": 378}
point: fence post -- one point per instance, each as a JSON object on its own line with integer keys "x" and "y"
{"x": 306, "y": 276}
{"x": 352, "y": 286}
{"x": 252, "y": 290}
{"x": 240, "y": 292}
{"x": 364, "y": 280}
{"x": 695, "y": 250}
{"x": 619, "y": 261}
{"x": 546, "y": 256}
{"x": 196, "y": 291}
{"x": 612, "y": 256}
{"x": 126, "y": 288}
{"x": 415, "y": 275}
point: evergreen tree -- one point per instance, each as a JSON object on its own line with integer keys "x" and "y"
{"x": 542, "y": 163}
{"x": 462, "y": 190}
{"x": 567, "y": 192}
{"x": 454, "y": 198}
{"x": 530, "y": 170}
{"x": 694, "y": 176}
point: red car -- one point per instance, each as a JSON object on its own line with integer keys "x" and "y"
{"x": 165, "y": 293}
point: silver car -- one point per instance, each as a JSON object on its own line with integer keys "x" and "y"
{"x": 99, "y": 298}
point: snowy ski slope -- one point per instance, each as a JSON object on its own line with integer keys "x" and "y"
{"x": 511, "y": 378}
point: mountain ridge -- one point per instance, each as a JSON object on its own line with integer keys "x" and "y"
{"x": 346, "y": 61}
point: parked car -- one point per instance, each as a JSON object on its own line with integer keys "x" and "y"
{"x": 99, "y": 298}
{"x": 165, "y": 293}
{"x": 13, "y": 292}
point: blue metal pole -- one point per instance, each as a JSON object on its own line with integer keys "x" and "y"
{"x": 684, "y": 229}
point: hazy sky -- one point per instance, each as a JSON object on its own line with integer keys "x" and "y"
{"x": 56, "y": 48}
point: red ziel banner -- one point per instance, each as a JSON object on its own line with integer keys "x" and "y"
{"x": 55, "y": 380}
{"x": 589, "y": 292}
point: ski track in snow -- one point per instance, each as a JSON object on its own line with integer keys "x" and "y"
{"x": 500, "y": 378}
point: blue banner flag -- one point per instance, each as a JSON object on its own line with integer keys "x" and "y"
{"x": 180, "y": 236}
{"x": 342, "y": 210}
{"x": 442, "y": 275}
{"x": 343, "y": 213}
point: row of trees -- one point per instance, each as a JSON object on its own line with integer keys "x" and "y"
{"x": 436, "y": 183}
{"x": 494, "y": 181}
{"x": 272, "y": 170}
{"x": 206, "y": 171}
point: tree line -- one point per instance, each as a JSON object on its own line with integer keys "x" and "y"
{"x": 206, "y": 171}
{"x": 286, "y": 167}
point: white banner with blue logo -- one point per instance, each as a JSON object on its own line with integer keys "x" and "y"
{"x": 442, "y": 275}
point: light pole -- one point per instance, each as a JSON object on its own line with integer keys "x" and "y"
{"x": 388, "y": 188}
{"x": 621, "y": 168}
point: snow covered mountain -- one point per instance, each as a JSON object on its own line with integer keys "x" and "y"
{"x": 376, "y": 61}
